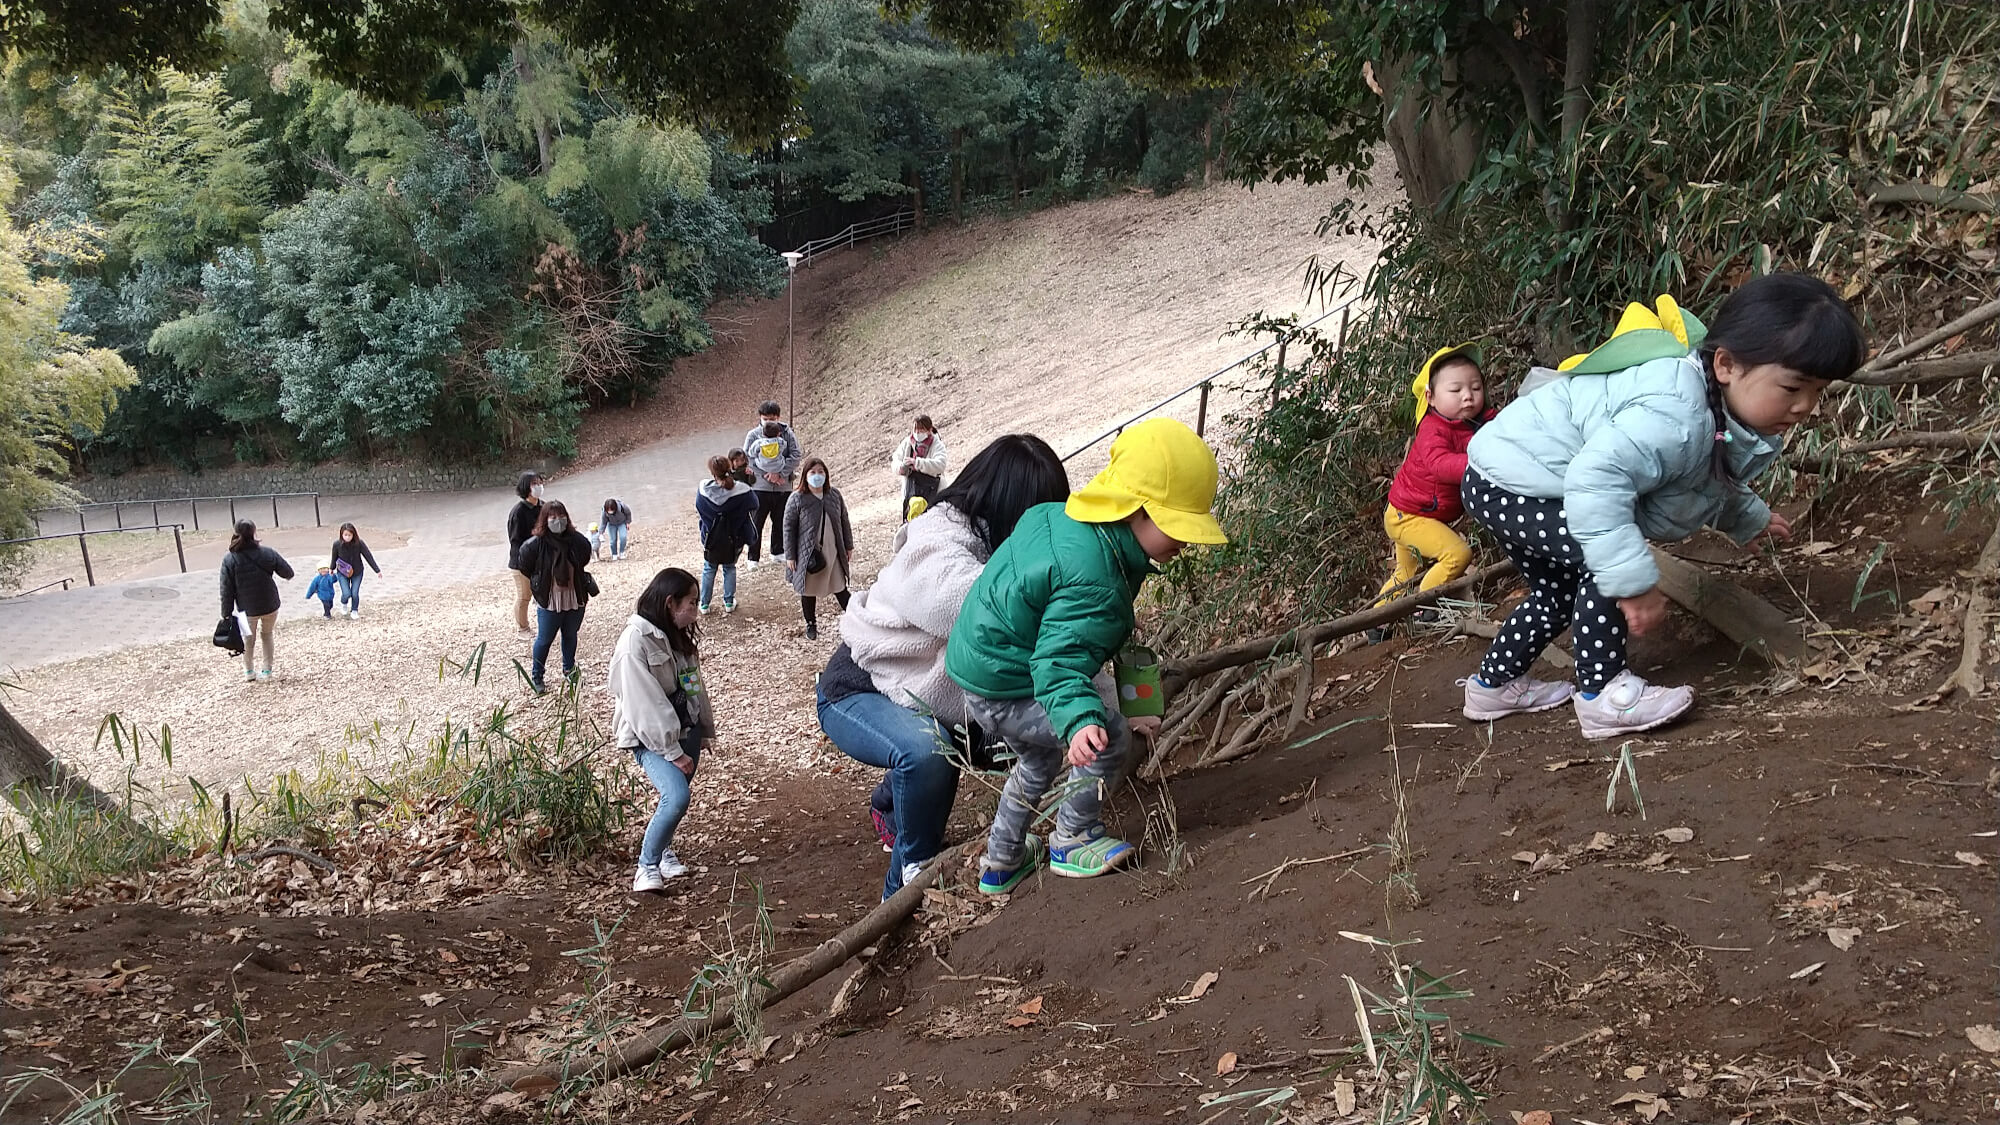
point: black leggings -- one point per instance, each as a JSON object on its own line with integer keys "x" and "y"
{"x": 810, "y": 605}
{"x": 1534, "y": 532}
{"x": 770, "y": 506}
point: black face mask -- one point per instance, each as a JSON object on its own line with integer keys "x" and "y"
{"x": 770, "y": 429}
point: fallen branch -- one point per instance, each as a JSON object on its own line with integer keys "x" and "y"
{"x": 1171, "y": 734}
{"x": 1925, "y": 439}
{"x": 1985, "y": 573}
{"x": 623, "y": 1058}
{"x": 1978, "y": 203}
{"x": 1487, "y": 630}
{"x": 1242, "y": 742}
{"x": 1735, "y": 612}
{"x": 1270, "y": 878}
{"x": 1301, "y": 695}
{"x": 1308, "y": 637}
{"x": 1601, "y": 1035}
{"x": 1928, "y": 370}
{"x": 1973, "y": 319}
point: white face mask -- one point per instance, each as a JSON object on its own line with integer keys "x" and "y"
{"x": 535, "y": 490}
{"x": 817, "y": 480}
{"x": 558, "y": 525}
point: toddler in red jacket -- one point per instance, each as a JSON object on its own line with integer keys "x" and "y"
{"x": 1423, "y": 499}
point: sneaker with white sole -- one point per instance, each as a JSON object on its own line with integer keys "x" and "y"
{"x": 1629, "y": 705}
{"x": 648, "y": 878}
{"x": 671, "y": 866}
{"x": 1521, "y": 695}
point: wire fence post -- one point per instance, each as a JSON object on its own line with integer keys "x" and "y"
{"x": 232, "y": 511}
{"x": 194, "y": 509}
{"x": 1201, "y": 414}
{"x": 179, "y": 551}
{"x": 1278, "y": 376}
{"x": 1340, "y": 338}
{"x": 79, "y": 519}
{"x": 316, "y": 520}
{"x": 83, "y": 544}
{"x": 156, "y": 513}
{"x": 118, "y": 513}
{"x": 274, "y": 511}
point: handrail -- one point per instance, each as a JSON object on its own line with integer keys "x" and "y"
{"x": 1205, "y": 382}
{"x": 63, "y": 582}
{"x": 855, "y": 232}
{"x": 193, "y": 502}
{"x": 83, "y": 545}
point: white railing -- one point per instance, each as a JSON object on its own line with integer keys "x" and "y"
{"x": 857, "y": 232}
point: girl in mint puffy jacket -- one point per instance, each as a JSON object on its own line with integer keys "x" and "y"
{"x": 1653, "y": 436}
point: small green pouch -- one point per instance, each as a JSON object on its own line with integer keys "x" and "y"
{"x": 1138, "y": 672}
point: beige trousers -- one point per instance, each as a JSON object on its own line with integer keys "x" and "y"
{"x": 522, "y": 597}
{"x": 262, "y": 623}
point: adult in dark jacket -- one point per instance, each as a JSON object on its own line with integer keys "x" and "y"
{"x": 520, "y": 525}
{"x": 723, "y": 507}
{"x": 250, "y": 573}
{"x": 614, "y": 524}
{"x": 816, "y": 529}
{"x": 554, "y": 560}
{"x": 349, "y": 555}
{"x": 774, "y": 453}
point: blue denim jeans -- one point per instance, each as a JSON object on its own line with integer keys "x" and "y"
{"x": 708, "y": 570}
{"x": 350, "y": 590}
{"x": 547, "y": 624}
{"x": 675, "y": 793}
{"x": 618, "y": 533}
{"x": 877, "y": 731}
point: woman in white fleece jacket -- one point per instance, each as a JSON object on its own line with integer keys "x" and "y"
{"x": 885, "y": 699}
{"x": 661, "y": 711}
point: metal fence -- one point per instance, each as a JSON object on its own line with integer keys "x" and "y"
{"x": 83, "y": 544}
{"x": 858, "y": 232}
{"x": 1207, "y": 382}
{"x": 194, "y": 503}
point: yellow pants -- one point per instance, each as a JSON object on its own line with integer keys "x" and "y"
{"x": 1417, "y": 538}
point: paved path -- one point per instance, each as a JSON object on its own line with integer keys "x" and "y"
{"x": 454, "y": 537}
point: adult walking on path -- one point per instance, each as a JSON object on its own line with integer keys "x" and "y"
{"x": 885, "y": 698}
{"x": 250, "y": 573}
{"x": 349, "y": 554}
{"x": 774, "y": 463}
{"x": 920, "y": 460}
{"x": 555, "y": 559}
{"x": 521, "y": 523}
{"x": 818, "y": 543}
{"x": 615, "y": 522}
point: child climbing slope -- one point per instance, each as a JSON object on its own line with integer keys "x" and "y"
{"x": 1652, "y": 436}
{"x": 1053, "y": 605}
{"x": 1424, "y": 497}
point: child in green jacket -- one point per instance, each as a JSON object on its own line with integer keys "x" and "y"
{"x": 1051, "y": 608}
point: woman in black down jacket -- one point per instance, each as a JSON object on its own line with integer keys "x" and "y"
{"x": 554, "y": 559}
{"x": 349, "y": 553}
{"x": 250, "y": 573}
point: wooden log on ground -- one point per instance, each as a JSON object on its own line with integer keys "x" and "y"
{"x": 1943, "y": 370}
{"x": 1985, "y": 573}
{"x": 639, "y": 1051}
{"x": 1736, "y": 613}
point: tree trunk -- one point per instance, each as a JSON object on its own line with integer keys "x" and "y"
{"x": 957, "y": 176}
{"x": 524, "y": 73}
{"x": 1579, "y": 68}
{"x": 917, "y": 195}
{"x": 1435, "y": 148}
{"x": 28, "y": 771}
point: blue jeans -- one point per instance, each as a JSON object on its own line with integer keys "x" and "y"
{"x": 675, "y": 794}
{"x": 708, "y": 570}
{"x": 350, "y": 590}
{"x": 616, "y": 532}
{"x": 876, "y": 730}
{"x": 547, "y": 624}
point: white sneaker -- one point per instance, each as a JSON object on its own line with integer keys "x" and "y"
{"x": 749, "y": 565}
{"x": 352, "y": 613}
{"x": 1628, "y": 705}
{"x": 671, "y": 866}
{"x": 911, "y": 871}
{"x": 1518, "y": 696}
{"x": 647, "y": 878}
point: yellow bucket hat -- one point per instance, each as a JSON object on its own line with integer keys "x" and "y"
{"x": 1160, "y": 465}
{"x": 1421, "y": 386}
{"x": 1642, "y": 334}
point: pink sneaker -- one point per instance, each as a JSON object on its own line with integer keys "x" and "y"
{"x": 1519, "y": 696}
{"x": 1628, "y": 705}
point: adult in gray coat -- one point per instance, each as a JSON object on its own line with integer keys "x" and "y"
{"x": 250, "y": 573}
{"x": 817, "y": 534}
{"x": 774, "y": 464}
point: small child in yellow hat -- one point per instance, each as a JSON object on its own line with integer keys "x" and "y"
{"x": 1051, "y": 608}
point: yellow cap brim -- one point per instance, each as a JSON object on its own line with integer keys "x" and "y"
{"x": 1188, "y": 527}
{"x": 1098, "y": 503}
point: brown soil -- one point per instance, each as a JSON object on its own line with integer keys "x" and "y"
{"x": 1798, "y": 929}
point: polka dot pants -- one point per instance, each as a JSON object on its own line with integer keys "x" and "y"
{"x": 1535, "y": 534}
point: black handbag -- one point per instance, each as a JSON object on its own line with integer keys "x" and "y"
{"x": 229, "y": 635}
{"x": 589, "y": 585}
{"x": 816, "y": 561}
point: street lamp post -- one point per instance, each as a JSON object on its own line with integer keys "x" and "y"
{"x": 792, "y": 260}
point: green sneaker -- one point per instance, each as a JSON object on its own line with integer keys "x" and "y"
{"x": 992, "y": 882}
{"x": 1089, "y": 857}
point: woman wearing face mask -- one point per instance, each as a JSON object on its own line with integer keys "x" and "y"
{"x": 818, "y": 542}
{"x": 520, "y": 526}
{"x": 919, "y": 459}
{"x": 554, "y": 559}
